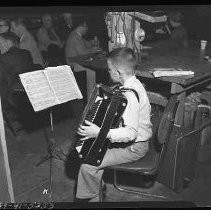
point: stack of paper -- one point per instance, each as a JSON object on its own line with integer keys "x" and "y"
{"x": 163, "y": 72}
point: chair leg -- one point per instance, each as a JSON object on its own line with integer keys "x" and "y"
{"x": 101, "y": 190}
{"x": 117, "y": 186}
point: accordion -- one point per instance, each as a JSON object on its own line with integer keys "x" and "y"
{"x": 104, "y": 108}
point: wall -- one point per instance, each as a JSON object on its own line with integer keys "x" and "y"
{"x": 197, "y": 17}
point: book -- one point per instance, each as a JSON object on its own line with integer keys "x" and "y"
{"x": 50, "y": 87}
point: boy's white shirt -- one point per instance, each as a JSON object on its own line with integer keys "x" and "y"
{"x": 136, "y": 116}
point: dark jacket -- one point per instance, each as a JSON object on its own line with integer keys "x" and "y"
{"x": 17, "y": 61}
{"x": 13, "y": 63}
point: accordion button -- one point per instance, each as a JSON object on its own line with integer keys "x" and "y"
{"x": 80, "y": 156}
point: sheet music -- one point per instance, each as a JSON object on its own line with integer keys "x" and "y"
{"x": 38, "y": 90}
{"x": 63, "y": 83}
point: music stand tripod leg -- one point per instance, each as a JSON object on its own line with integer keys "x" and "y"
{"x": 47, "y": 157}
{"x": 50, "y": 178}
{"x": 51, "y": 150}
{"x": 57, "y": 152}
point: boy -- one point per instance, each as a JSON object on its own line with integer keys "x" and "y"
{"x": 135, "y": 132}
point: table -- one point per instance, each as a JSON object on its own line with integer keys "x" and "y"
{"x": 191, "y": 59}
{"x": 188, "y": 59}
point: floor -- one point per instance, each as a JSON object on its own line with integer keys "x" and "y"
{"x": 31, "y": 183}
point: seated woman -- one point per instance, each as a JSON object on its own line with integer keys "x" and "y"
{"x": 49, "y": 42}
{"x": 76, "y": 45}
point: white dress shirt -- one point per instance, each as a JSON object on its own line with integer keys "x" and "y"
{"x": 136, "y": 117}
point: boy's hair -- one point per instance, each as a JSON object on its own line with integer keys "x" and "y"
{"x": 123, "y": 56}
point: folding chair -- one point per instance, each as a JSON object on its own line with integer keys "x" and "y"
{"x": 150, "y": 164}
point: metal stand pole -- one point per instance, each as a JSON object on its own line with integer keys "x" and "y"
{"x": 53, "y": 152}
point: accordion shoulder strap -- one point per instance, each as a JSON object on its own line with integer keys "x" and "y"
{"x": 131, "y": 90}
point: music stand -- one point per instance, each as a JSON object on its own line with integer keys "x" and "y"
{"x": 45, "y": 89}
{"x": 53, "y": 151}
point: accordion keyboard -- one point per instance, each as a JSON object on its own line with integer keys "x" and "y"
{"x": 90, "y": 116}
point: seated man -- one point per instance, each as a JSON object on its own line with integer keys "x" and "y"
{"x": 134, "y": 133}
{"x": 178, "y": 38}
{"x": 13, "y": 61}
{"x": 179, "y": 32}
{"x": 16, "y": 60}
{"x": 76, "y": 45}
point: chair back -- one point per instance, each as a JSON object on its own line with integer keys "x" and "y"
{"x": 167, "y": 120}
{"x": 162, "y": 127}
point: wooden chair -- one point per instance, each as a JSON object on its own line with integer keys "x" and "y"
{"x": 150, "y": 164}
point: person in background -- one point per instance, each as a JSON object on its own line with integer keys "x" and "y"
{"x": 49, "y": 42}
{"x": 179, "y": 34}
{"x": 13, "y": 61}
{"x": 76, "y": 45}
{"x": 4, "y": 26}
{"x": 27, "y": 40}
{"x": 132, "y": 136}
{"x": 98, "y": 27}
{"x": 64, "y": 26}
{"x": 178, "y": 39}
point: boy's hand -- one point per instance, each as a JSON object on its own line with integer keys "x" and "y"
{"x": 90, "y": 130}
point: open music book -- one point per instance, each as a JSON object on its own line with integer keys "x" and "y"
{"x": 51, "y": 86}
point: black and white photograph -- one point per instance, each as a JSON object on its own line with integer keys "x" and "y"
{"x": 105, "y": 106}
